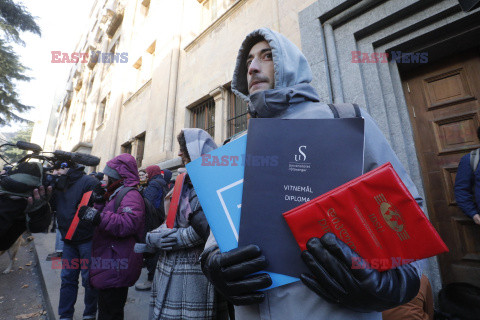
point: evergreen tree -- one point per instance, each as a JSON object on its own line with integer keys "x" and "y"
{"x": 14, "y": 19}
{"x": 13, "y": 154}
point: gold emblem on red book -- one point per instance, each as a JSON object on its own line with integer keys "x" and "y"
{"x": 392, "y": 217}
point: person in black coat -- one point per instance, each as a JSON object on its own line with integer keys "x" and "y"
{"x": 71, "y": 185}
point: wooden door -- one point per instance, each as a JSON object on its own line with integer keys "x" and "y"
{"x": 444, "y": 108}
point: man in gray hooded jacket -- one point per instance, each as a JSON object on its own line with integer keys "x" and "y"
{"x": 273, "y": 76}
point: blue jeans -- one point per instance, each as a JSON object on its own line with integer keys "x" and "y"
{"x": 58, "y": 242}
{"x": 69, "y": 288}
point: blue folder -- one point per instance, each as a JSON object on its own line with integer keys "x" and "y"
{"x": 218, "y": 181}
{"x": 289, "y": 162}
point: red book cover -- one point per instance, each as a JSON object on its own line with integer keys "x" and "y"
{"x": 375, "y": 215}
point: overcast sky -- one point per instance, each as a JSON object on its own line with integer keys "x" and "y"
{"x": 62, "y": 23}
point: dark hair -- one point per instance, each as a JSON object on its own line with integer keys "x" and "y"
{"x": 183, "y": 144}
{"x": 478, "y": 133}
{"x": 142, "y": 170}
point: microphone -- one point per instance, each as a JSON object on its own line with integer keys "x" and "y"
{"x": 85, "y": 159}
{"x": 64, "y": 155}
{"x": 78, "y": 157}
{"x": 28, "y": 146}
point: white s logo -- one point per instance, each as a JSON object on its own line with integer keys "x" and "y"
{"x": 299, "y": 157}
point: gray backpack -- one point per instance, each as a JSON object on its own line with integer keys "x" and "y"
{"x": 345, "y": 110}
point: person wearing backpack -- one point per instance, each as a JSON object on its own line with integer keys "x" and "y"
{"x": 156, "y": 186}
{"x": 273, "y": 76}
{"x": 467, "y": 184}
{"x": 114, "y": 265}
{"x": 154, "y": 192}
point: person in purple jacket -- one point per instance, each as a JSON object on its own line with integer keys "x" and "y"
{"x": 114, "y": 265}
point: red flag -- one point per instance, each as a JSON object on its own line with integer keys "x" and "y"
{"x": 177, "y": 192}
{"x": 76, "y": 220}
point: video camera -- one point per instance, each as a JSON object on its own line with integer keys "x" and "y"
{"x": 51, "y": 160}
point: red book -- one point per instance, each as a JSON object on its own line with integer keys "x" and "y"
{"x": 177, "y": 192}
{"x": 375, "y": 215}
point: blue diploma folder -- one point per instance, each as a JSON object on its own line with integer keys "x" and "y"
{"x": 289, "y": 162}
{"x": 218, "y": 181}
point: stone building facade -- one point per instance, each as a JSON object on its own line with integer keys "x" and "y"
{"x": 180, "y": 59}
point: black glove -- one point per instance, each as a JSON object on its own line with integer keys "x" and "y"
{"x": 227, "y": 271}
{"x": 89, "y": 214}
{"x": 97, "y": 194}
{"x": 361, "y": 290}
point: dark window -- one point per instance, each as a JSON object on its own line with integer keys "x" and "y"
{"x": 127, "y": 148}
{"x": 203, "y": 116}
{"x": 82, "y": 132}
{"x": 90, "y": 84}
{"x": 101, "y": 111}
{"x": 237, "y": 114}
{"x": 146, "y": 7}
{"x": 140, "y": 140}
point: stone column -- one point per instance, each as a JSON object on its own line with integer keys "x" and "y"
{"x": 219, "y": 95}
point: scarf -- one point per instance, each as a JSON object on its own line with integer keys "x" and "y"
{"x": 111, "y": 189}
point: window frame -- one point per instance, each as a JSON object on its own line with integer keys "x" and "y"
{"x": 233, "y": 115}
{"x": 205, "y": 110}
{"x": 140, "y": 146}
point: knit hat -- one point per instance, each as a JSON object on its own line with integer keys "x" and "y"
{"x": 111, "y": 172}
{"x": 22, "y": 179}
{"x": 153, "y": 171}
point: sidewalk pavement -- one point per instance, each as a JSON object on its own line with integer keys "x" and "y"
{"x": 137, "y": 301}
{"x": 21, "y": 290}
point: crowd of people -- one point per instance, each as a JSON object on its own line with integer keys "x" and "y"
{"x": 188, "y": 276}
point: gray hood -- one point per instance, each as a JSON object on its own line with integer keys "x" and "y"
{"x": 291, "y": 66}
{"x": 198, "y": 142}
{"x": 292, "y": 75}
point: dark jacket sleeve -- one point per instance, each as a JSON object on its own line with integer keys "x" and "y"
{"x": 13, "y": 220}
{"x": 464, "y": 186}
{"x": 12, "y": 214}
{"x": 11, "y": 211}
{"x": 91, "y": 184}
{"x": 40, "y": 220}
{"x": 197, "y": 219}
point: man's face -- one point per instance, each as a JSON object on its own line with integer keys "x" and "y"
{"x": 260, "y": 72}
{"x": 182, "y": 154}
{"x": 105, "y": 181}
